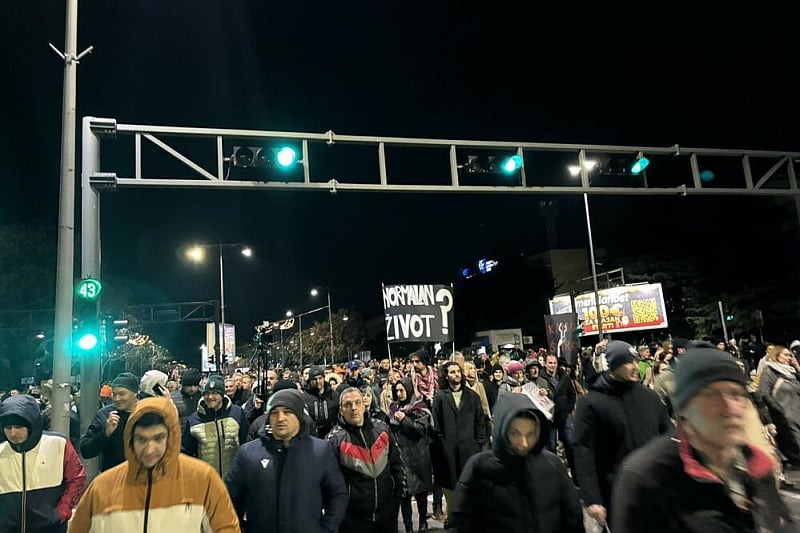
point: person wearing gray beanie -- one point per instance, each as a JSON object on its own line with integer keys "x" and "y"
{"x": 710, "y": 476}
{"x": 699, "y": 368}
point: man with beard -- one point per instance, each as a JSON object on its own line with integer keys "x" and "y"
{"x": 616, "y": 416}
{"x": 459, "y": 431}
{"x": 711, "y": 477}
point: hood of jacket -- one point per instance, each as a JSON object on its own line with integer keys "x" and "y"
{"x": 608, "y": 385}
{"x": 507, "y": 407}
{"x": 27, "y": 408}
{"x": 409, "y": 386}
{"x": 166, "y": 409}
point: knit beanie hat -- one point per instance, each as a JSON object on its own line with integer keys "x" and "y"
{"x": 284, "y": 384}
{"x": 292, "y": 399}
{"x": 190, "y": 378}
{"x": 127, "y": 380}
{"x": 699, "y": 368}
{"x": 215, "y": 383}
{"x": 618, "y": 353}
{"x": 513, "y": 366}
{"x": 316, "y": 370}
{"x": 105, "y": 391}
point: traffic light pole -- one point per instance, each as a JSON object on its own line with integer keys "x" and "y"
{"x": 90, "y": 267}
{"x": 722, "y": 319}
{"x": 62, "y": 343}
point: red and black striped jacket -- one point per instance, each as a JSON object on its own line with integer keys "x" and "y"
{"x": 373, "y": 470}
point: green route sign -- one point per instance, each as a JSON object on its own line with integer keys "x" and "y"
{"x": 89, "y": 289}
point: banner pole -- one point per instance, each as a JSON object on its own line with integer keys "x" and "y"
{"x": 452, "y": 323}
{"x": 388, "y": 346}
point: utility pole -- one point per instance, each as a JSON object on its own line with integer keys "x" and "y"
{"x": 62, "y": 343}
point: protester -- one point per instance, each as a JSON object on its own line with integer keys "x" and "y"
{"x": 157, "y": 489}
{"x": 709, "y": 478}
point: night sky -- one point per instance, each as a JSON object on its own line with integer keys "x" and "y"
{"x": 416, "y": 69}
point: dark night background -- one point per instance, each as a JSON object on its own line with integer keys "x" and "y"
{"x": 434, "y": 69}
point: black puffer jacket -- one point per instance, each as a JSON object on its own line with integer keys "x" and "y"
{"x": 502, "y": 491}
{"x": 611, "y": 421}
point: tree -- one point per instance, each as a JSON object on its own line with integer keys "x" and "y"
{"x": 138, "y": 355}
{"x": 348, "y": 339}
{"x": 27, "y": 281}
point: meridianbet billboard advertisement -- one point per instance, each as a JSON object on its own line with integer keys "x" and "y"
{"x": 626, "y": 308}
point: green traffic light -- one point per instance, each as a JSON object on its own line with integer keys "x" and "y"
{"x": 512, "y": 164}
{"x": 87, "y": 341}
{"x": 286, "y": 157}
{"x": 640, "y": 164}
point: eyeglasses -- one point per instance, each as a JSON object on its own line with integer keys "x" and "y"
{"x": 737, "y": 396}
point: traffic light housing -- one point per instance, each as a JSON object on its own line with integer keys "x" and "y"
{"x": 579, "y": 330}
{"x": 280, "y": 157}
{"x": 86, "y": 333}
{"x": 115, "y": 331}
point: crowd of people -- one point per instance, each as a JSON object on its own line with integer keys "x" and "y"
{"x": 682, "y": 436}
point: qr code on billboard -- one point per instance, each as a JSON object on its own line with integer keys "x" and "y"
{"x": 644, "y": 311}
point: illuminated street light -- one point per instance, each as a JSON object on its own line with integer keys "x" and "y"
{"x": 575, "y": 170}
{"x": 289, "y": 313}
{"x": 315, "y": 292}
{"x": 196, "y": 254}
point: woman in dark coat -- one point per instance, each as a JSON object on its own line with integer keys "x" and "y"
{"x": 409, "y": 420}
{"x": 517, "y": 486}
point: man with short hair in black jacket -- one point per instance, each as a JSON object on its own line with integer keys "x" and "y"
{"x": 287, "y": 481}
{"x": 372, "y": 467}
{"x": 616, "y": 416}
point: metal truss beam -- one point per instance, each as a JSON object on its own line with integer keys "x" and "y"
{"x": 529, "y": 180}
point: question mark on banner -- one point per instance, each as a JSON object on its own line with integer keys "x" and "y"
{"x": 441, "y": 296}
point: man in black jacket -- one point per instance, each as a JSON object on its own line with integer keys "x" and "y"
{"x": 616, "y": 416}
{"x": 459, "y": 428}
{"x": 287, "y": 481}
{"x": 709, "y": 478}
{"x": 105, "y": 434}
{"x": 372, "y": 467}
{"x": 517, "y": 486}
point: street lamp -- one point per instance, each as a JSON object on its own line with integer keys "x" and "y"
{"x": 196, "y": 254}
{"x": 584, "y": 168}
{"x": 300, "y": 322}
{"x": 315, "y": 292}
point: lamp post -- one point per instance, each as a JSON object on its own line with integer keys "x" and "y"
{"x": 300, "y": 321}
{"x": 585, "y": 167}
{"x": 196, "y": 254}
{"x": 315, "y": 292}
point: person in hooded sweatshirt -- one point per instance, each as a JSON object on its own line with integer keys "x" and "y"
{"x": 156, "y": 489}
{"x": 287, "y": 481}
{"x": 41, "y": 475}
{"x": 517, "y": 486}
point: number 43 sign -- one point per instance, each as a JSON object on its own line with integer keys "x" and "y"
{"x": 89, "y": 289}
